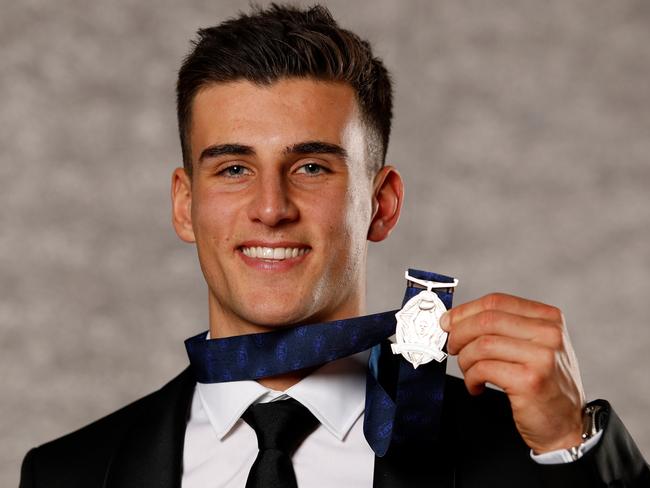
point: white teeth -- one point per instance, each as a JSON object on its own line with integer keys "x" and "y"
{"x": 275, "y": 253}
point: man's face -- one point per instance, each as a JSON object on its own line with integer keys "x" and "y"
{"x": 280, "y": 201}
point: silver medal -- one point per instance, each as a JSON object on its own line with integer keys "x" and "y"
{"x": 420, "y": 339}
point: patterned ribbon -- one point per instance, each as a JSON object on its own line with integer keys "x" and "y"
{"x": 403, "y": 404}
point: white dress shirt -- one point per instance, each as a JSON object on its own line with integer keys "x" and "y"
{"x": 220, "y": 447}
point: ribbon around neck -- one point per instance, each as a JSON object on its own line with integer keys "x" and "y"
{"x": 403, "y": 404}
{"x": 255, "y": 356}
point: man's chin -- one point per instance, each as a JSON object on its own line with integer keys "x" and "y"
{"x": 278, "y": 305}
{"x": 278, "y": 319}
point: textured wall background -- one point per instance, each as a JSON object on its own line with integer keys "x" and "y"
{"x": 522, "y": 130}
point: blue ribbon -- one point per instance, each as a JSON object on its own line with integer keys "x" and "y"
{"x": 403, "y": 404}
{"x": 254, "y": 356}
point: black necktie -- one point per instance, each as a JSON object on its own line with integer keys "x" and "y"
{"x": 280, "y": 427}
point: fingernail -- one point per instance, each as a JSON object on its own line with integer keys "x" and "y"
{"x": 444, "y": 321}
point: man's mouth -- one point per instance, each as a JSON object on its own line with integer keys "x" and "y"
{"x": 274, "y": 253}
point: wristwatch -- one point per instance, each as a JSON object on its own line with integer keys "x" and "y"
{"x": 591, "y": 425}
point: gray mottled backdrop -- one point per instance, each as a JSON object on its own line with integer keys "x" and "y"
{"x": 522, "y": 130}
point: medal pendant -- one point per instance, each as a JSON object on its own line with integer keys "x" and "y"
{"x": 420, "y": 339}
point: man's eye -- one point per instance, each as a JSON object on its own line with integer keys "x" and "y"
{"x": 234, "y": 171}
{"x": 312, "y": 169}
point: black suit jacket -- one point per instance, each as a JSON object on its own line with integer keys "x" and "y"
{"x": 141, "y": 445}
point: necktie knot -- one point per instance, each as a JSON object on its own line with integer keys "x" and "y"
{"x": 280, "y": 425}
{"x": 280, "y": 428}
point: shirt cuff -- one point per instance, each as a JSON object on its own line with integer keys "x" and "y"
{"x": 562, "y": 456}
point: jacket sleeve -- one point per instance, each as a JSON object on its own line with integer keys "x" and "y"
{"x": 615, "y": 462}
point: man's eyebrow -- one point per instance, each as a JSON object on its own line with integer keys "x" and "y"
{"x": 316, "y": 147}
{"x": 226, "y": 149}
{"x": 308, "y": 147}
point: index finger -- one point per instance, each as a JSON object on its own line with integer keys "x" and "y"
{"x": 504, "y": 303}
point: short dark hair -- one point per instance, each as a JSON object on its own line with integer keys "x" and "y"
{"x": 284, "y": 41}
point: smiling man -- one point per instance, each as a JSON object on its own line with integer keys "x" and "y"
{"x": 280, "y": 195}
{"x": 284, "y": 120}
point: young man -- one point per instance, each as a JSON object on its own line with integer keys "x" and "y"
{"x": 284, "y": 121}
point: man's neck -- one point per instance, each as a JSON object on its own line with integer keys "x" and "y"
{"x": 285, "y": 381}
{"x": 218, "y": 320}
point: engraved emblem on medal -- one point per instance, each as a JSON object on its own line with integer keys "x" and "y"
{"x": 420, "y": 339}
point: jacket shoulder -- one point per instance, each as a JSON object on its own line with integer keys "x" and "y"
{"x": 81, "y": 458}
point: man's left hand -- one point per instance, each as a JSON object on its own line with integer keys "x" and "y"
{"x": 522, "y": 347}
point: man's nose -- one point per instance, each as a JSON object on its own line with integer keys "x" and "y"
{"x": 272, "y": 204}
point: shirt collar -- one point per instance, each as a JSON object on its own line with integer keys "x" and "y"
{"x": 334, "y": 394}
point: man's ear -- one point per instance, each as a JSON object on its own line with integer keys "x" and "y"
{"x": 388, "y": 194}
{"x": 182, "y": 205}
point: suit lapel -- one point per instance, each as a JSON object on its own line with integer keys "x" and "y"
{"x": 151, "y": 452}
